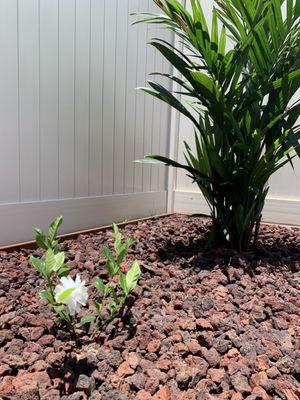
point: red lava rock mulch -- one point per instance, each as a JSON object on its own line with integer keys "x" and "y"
{"x": 200, "y": 325}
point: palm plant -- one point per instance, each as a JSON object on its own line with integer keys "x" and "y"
{"x": 239, "y": 101}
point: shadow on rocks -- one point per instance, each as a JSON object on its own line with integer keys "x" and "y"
{"x": 278, "y": 248}
{"x": 75, "y": 374}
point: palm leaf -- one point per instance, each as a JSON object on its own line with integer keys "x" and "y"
{"x": 238, "y": 99}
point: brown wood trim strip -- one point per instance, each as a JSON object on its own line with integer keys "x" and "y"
{"x": 73, "y": 235}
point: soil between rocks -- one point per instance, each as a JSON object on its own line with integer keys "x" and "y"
{"x": 201, "y": 324}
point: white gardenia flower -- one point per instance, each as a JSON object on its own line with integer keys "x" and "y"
{"x": 72, "y": 293}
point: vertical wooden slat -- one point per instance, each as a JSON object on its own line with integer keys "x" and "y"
{"x": 163, "y": 145}
{"x": 96, "y": 96}
{"x": 156, "y": 118}
{"x": 149, "y": 104}
{"x": 66, "y": 97}
{"x": 29, "y": 99}
{"x": 9, "y": 99}
{"x": 49, "y": 150}
{"x": 109, "y": 96}
{"x": 82, "y": 97}
{"x": 120, "y": 94}
{"x": 161, "y": 142}
{"x": 140, "y": 101}
{"x": 165, "y": 118}
{"x": 131, "y": 101}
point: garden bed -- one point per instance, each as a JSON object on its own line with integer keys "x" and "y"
{"x": 200, "y": 325}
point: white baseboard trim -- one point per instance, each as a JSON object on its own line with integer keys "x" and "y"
{"x": 18, "y": 219}
{"x": 279, "y": 211}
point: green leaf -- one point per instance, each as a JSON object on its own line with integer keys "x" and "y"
{"x": 108, "y": 253}
{"x": 129, "y": 241}
{"x": 112, "y": 267}
{"x": 156, "y": 159}
{"x": 59, "y": 261}
{"x": 129, "y": 281}
{"x": 39, "y": 232}
{"x": 59, "y": 309}
{"x": 122, "y": 253}
{"x": 182, "y": 66}
{"x": 39, "y": 265}
{"x": 54, "y": 227}
{"x": 214, "y": 37}
{"x": 63, "y": 297}
{"x": 48, "y": 242}
{"x": 99, "y": 285}
{"x": 87, "y": 319}
{"x": 112, "y": 307}
{"x": 108, "y": 290}
{"x": 122, "y": 282}
{"x": 165, "y": 95}
{"x": 122, "y": 300}
{"x": 295, "y": 141}
{"x": 45, "y": 294}
{"x": 50, "y": 261}
{"x": 118, "y": 238}
{"x": 98, "y": 304}
{"x": 41, "y": 239}
{"x": 222, "y": 44}
{"x": 64, "y": 270}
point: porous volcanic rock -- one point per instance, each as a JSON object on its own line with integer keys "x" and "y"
{"x": 202, "y": 324}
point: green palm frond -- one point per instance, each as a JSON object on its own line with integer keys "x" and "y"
{"x": 240, "y": 101}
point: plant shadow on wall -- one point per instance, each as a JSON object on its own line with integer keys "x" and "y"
{"x": 239, "y": 101}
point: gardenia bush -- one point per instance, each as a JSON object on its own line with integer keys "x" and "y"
{"x": 67, "y": 296}
{"x": 239, "y": 99}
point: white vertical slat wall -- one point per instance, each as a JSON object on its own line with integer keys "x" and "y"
{"x": 71, "y": 121}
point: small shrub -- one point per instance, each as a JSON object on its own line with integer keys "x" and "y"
{"x": 114, "y": 292}
{"x": 67, "y": 297}
{"x": 52, "y": 266}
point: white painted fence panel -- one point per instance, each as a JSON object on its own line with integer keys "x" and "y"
{"x": 71, "y": 121}
{"x": 9, "y": 102}
{"x": 49, "y": 99}
{"x": 67, "y": 87}
{"x": 29, "y": 100}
